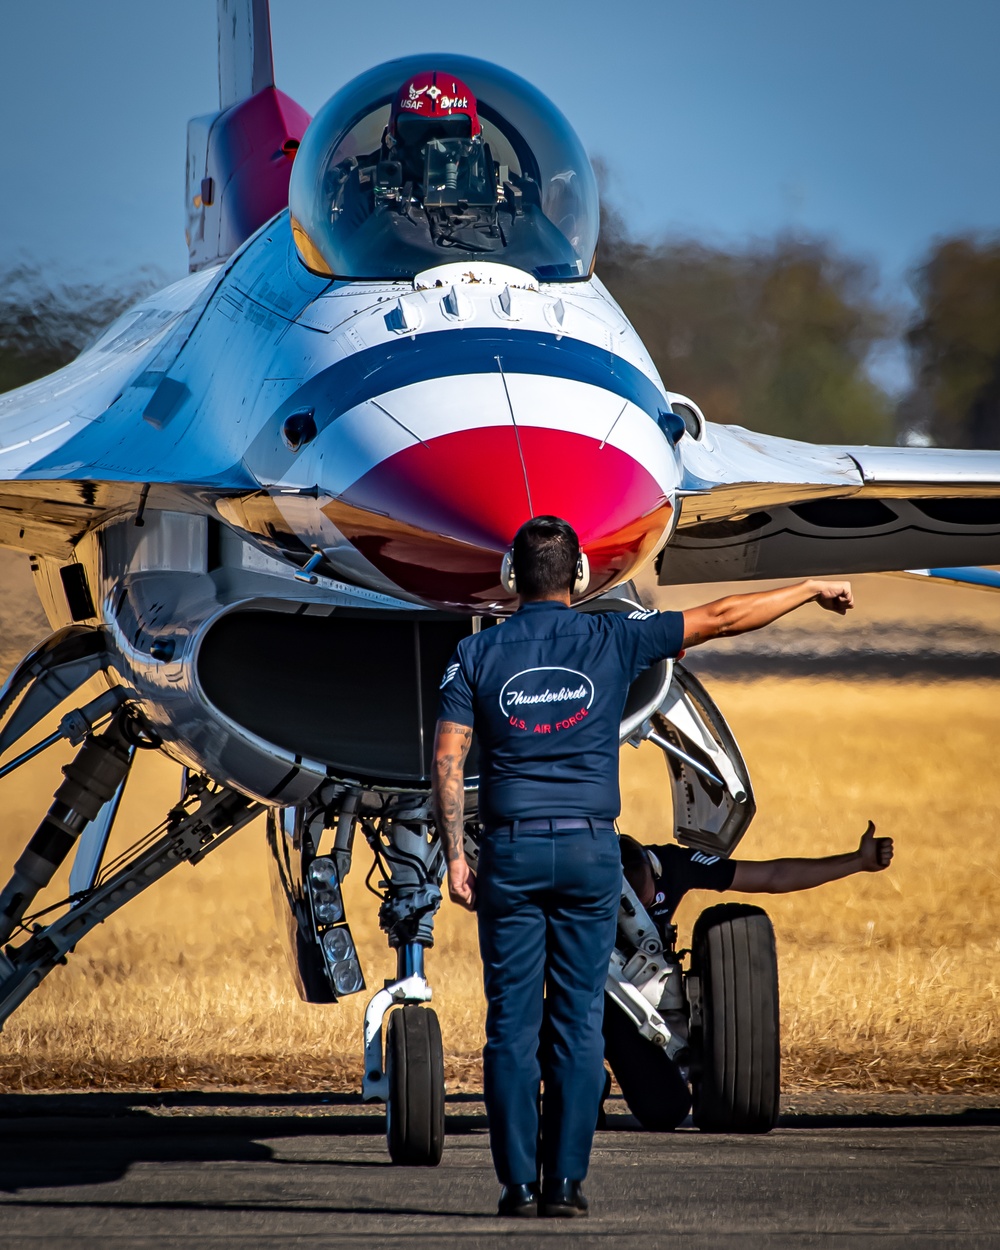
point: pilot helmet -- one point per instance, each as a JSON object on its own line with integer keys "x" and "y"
{"x": 431, "y": 105}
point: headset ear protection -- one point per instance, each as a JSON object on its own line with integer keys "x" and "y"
{"x": 581, "y": 579}
{"x": 507, "y": 576}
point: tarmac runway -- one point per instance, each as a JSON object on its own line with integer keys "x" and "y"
{"x": 212, "y": 1170}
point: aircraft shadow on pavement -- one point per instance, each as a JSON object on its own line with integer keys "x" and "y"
{"x": 616, "y": 1118}
{"x": 67, "y": 1140}
{"x": 71, "y": 1141}
{"x": 967, "y": 1117}
{"x": 62, "y": 1140}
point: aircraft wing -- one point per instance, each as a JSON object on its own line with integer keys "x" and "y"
{"x": 99, "y": 435}
{"x": 96, "y": 436}
{"x": 756, "y": 506}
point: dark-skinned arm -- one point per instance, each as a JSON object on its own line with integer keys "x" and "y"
{"x": 782, "y": 876}
{"x": 739, "y": 614}
{"x": 451, "y": 746}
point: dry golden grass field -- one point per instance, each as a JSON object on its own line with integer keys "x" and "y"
{"x": 889, "y": 981}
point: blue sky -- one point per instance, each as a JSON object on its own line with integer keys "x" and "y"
{"x": 872, "y": 122}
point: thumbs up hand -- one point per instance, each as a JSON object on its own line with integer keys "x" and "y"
{"x": 876, "y": 853}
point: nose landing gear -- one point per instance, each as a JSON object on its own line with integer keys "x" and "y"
{"x": 411, "y": 1080}
{"x": 408, "y": 1076}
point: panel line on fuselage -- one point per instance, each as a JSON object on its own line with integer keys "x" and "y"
{"x": 517, "y": 436}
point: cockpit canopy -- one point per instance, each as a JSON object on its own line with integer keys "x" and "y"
{"x": 522, "y": 192}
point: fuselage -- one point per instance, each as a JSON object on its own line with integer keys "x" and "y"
{"x": 406, "y": 430}
{"x": 391, "y": 436}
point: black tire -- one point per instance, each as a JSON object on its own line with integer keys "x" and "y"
{"x": 414, "y": 1064}
{"x": 651, "y": 1084}
{"x": 737, "y": 1073}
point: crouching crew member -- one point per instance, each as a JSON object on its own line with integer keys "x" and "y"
{"x": 545, "y": 692}
{"x": 662, "y": 875}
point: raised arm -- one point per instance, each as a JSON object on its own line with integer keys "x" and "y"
{"x": 781, "y": 876}
{"x": 739, "y": 614}
{"x": 451, "y": 746}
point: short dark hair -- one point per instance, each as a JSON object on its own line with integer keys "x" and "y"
{"x": 633, "y": 854}
{"x": 635, "y": 861}
{"x": 546, "y": 551}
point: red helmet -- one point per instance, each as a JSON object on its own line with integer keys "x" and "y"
{"x": 433, "y": 105}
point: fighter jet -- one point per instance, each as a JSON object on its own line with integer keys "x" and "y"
{"x": 264, "y": 507}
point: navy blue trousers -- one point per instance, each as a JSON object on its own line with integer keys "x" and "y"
{"x": 547, "y": 908}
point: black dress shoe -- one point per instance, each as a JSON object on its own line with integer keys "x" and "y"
{"x": 520, "y": 1201}
{"x": 562, "y": 1197}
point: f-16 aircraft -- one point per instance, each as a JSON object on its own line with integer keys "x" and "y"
{"x": 264, "y": 507}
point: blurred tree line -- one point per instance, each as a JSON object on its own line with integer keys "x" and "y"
{"x": 955, "y": 346}
{"x": 776, "y": 335}
{"x": 43, "y": 327}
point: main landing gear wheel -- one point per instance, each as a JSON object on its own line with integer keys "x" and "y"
{"x": 651, "y": 1083}
{"x": 737, "y": 1083}
{"x": 414, "y": 1065}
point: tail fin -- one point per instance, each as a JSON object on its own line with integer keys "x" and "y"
{"x": 239, "y": 159}
{"x": 245, "y": 62}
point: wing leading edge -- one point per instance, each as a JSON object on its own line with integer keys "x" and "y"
{"x": 755, "y": 506}
{"x": 96, "y": 437}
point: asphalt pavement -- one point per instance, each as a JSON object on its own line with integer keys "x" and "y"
{"x": 213, "y": 1170}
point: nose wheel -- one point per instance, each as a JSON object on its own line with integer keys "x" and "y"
{"x": 414, "y": 1066}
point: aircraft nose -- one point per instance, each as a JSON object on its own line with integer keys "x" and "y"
{"x": 437, "y": 516}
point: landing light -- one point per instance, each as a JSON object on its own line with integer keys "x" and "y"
{"x": 342, "y": 961}
{"x": 342, "y": 964}
{"x": 324, "y": 890}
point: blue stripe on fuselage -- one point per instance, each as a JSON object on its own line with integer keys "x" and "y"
{"x": 449, "y": 353}
{"x": 200, "y": 458}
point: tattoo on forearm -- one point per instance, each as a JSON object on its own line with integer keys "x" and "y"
{"x": 449, "y": 789}
{"x": 463, "y": 731}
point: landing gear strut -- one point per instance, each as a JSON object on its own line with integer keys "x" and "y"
{"x": 91, "y": 780}
{"x": 203, "y": 820}
{"x": 411, "y": 1080}
{"x": 409, "y": 1075}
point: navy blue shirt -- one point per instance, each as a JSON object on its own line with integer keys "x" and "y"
{"x": 684, "y": 869}
{"x": 545, "y": 692}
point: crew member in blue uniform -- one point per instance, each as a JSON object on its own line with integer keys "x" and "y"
{"x": 545, "y": 692}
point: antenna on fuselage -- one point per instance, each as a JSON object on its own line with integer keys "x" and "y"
{"x": 246, "y": 65}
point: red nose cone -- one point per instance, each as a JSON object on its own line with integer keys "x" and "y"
{"x": 437, "y": 517}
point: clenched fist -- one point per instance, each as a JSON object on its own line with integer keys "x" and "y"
{"x": 835, "y": 597}
{"x": 876, "y": 853}
{"x": 462, "y": 884}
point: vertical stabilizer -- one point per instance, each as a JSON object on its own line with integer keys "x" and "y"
{"x": 245, "y": 62}
{"x": 240, "y": 158}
